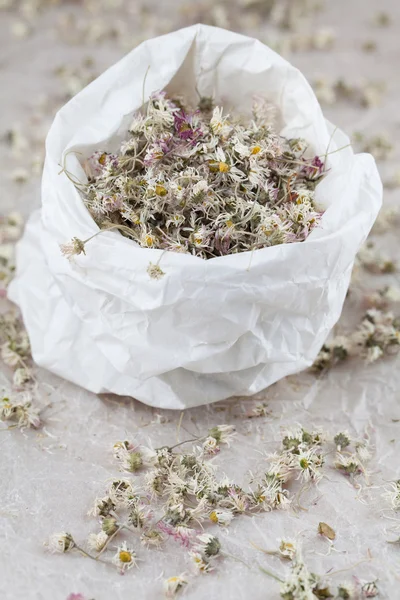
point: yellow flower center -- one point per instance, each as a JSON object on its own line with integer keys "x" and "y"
{"x": 161, "y": 190}
{"x": 214, "y": 517}
{"x": 223, "y": 167}
{"x": 125, "y": 556}
{"x": 256, "y": 150}
{"x": 102, "y": 158}
{"x": 229, "y": 223}
{"x": 149, "y": 240}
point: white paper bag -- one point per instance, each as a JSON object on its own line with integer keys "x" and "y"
{"x": 209, "y": 329}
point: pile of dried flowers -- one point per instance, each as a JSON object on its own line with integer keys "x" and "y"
{"x": 201, "y": 182}
{"x": 18, "y": 405}
{"x": 177, "y": 495}
{"x": 377, "y": 334}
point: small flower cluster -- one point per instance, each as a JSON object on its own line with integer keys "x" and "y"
{"x": 299, "y": 458}
{"x": 366, "y": 93}
{"x": 373, "y": 261}
{"x": 351, "y": 455}
{"x": 18, "y": 406}
{"x": 202, "y": 182}
{"x": 378, "y": 334}
{"x": 10, "y": 231}
{"x": 302, "y": 584}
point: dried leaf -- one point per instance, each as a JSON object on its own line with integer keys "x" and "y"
{"x": 326, "y": 530}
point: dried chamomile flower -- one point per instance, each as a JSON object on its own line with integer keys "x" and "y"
{"x": 20, "y": 410}
{"x": 21, "y": 376}
{"x": 129, "y": 458}
{"x": 151, "y": 538}
{"x": 61, "y": 542}
{"x": 208, "y": 544}
{"x": 139, "y": 514}
{"x": 331, "y": 353}
{"x": 393, "y": 494}
{"x": 369, "y": 590}
{"x": 309, "y": 464}
{"x": 121, "y": 492}
{"x": 97, "y": 541}
{"x": 73, "y": 248}
{"x": 124, "y": 558}
{"x": 378, "y": 333}
{"x": 349, "y": 465}
{"x": 369, "y": 258}
{"x": 109, "y": 525}
{"x": 287, "y": 549}
{"x": 102, "y": 507}
{"x": 342, "y": 440}
{"x": 173, "y": 585}
{"x": 201, "y": 565}
{"x": 155, "y": 271}
{"x": 223, "y": 434}
{"x": 344, "y": 592}
{"x": 221, "y": 516}
{"x": 300, "y": 583}
{"x": 210, "y": 446}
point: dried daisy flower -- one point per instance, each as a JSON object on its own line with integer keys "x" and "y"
{"x": 373, "y": 261}
{"x": 210, "y": 446}
{"x": 223, "y": 434}
{"x": 393, "y": 495}
{"x": 155, "y": 271}
{"x": 332, "y": 353}
{"x": 202, "y": 182}
{"x": 97, "y": 541}
{"x": 309, "y": 464}
{"x": 173, "y": 585}
{"x": 151, "y": 538}
{"x": 221, "y": 516}
{"x": 73, "y": 248}
{"x": 61, "y": 542}
{"x": 378, "y": 333}
{"x": 349, "y": 465}
{"x": 201, "y": 565}
{"x": 208, "y": 545}
{"x": 109, "y": 525}
{"x": 342, "y": 440}
{"x": 102, "y": 507}
{"x": 344, "y": 592}
{"x": 124, "y": 558}
{"x": 300, "y": 583}
{"x": 369, "y": 590}
{"x": 20, "y": 410}
{"x": 287, "y": 549}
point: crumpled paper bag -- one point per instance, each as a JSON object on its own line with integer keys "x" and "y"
{"x": 209, "y": 329}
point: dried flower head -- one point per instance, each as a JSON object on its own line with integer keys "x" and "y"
{"x": 61, "y": 542}
{"x": 124, "y": 558}
{"x": 97, "y": 541}
{"x": 173, "y": 585}
{"x": 73, "y": 248}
